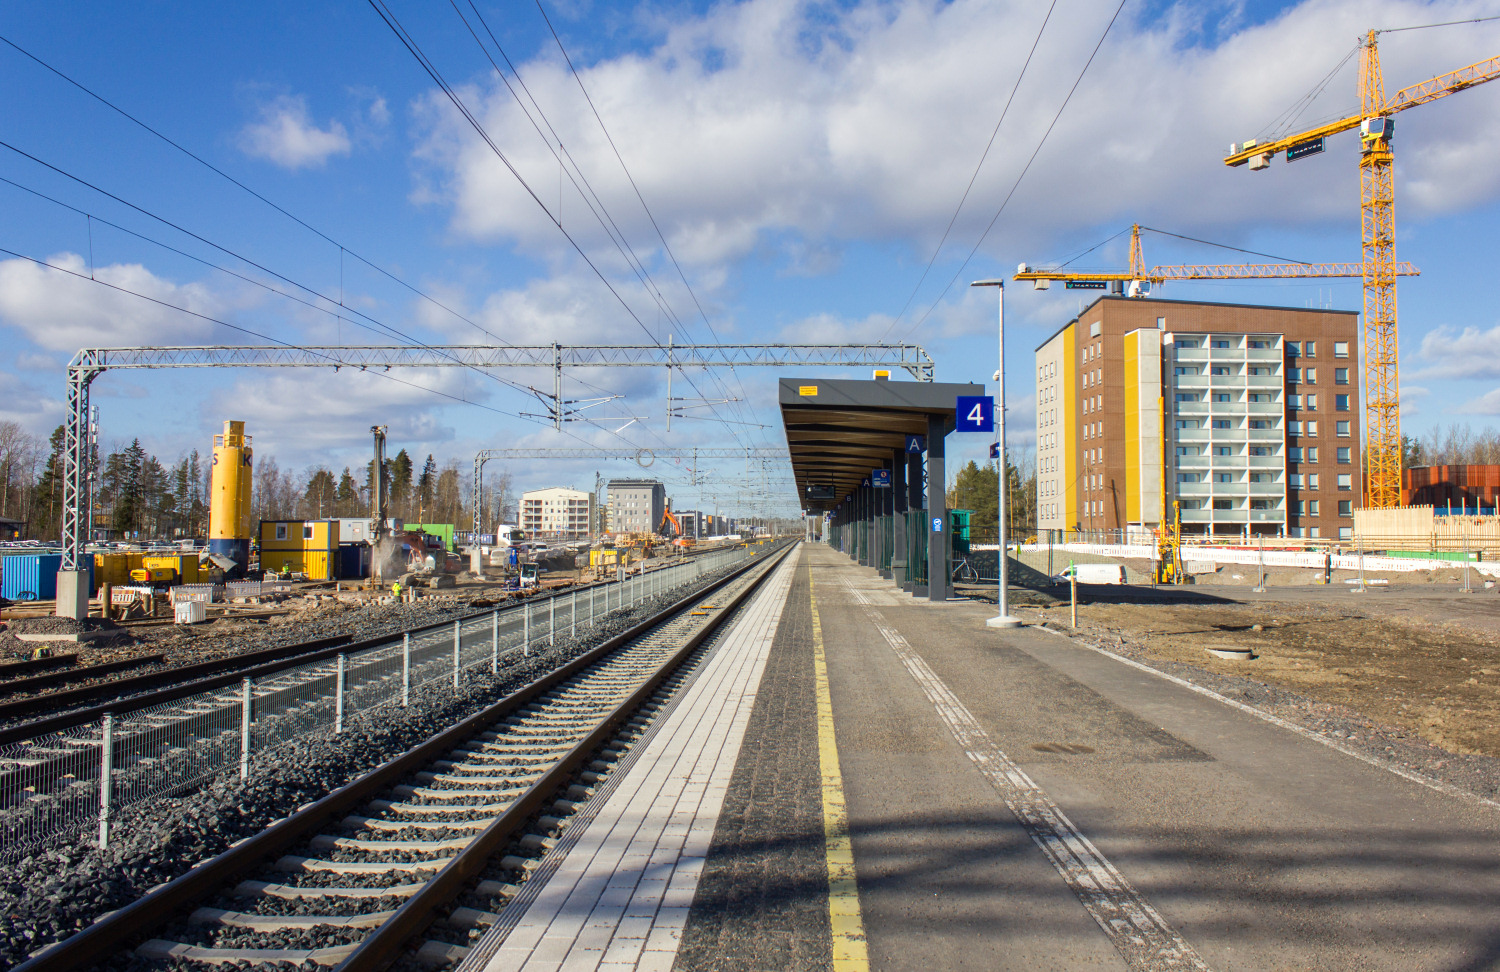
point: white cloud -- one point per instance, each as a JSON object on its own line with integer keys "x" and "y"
{"x": 1470, "y": 353}
{"x": 287, "y": 136}
{"x": 1486, "y": 404}
{"x": 805, "y": 125}
{"x": 60, "y": 311}
{"x": 26, "y": 404}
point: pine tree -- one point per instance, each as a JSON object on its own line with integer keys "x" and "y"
{"x": 401, "y": 485}
{"x": 427, "y": 488}
{"x": 318, "y": 499}
{"x": 347, "y": 501}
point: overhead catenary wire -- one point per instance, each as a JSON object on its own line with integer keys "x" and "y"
{"x": 410, "y": 43}
{"x": 343, "y": 248}
{"x": 591, "y": 198}
{"x": 1025, "y": 169}
{"x": 666, "y": 247}
{"x": 223, "y": 249}
{"x": 978, "y": 166}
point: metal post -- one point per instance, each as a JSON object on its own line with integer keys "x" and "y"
{"x": 494, "y": 642}
{"x": 1073, "y": 583}
{"x": 406, "y": 669}
{"x": 1260, "y": 587}
{"x": 552, "y": 620}
{"x": 106, "y": 776}
{"x": 247, "y": 704}
{"x": 338, "y": 695}
{"x": 526, "y": 630}
{"x": 457, "y": 635}
{"x": 1361, "y": 547}
{"x": 1464, "y": 553}
{"x": 573, "y": 615}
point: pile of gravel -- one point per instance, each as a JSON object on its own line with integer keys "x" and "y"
{"x": 57, "y": 891}
{"x": 50, "y": 624}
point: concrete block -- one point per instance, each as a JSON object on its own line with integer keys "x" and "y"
{"x": 73, "y": 594}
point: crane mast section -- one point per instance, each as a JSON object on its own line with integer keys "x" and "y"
{"x": 1210, "y": 271}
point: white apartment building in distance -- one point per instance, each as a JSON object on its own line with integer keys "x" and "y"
{"x": 557, "y": 512}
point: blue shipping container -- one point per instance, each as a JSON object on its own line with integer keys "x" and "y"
{"x": 30, "y": 577}
{"x": 33, "y": 577}
{"x": 354, "y": 561}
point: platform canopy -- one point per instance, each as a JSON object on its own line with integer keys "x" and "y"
{"x": 839, "y": 430}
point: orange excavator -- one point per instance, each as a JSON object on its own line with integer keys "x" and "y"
{"x": 680, "y": 539}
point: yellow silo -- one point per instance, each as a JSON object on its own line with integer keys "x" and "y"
{"x": 229, "y": 502}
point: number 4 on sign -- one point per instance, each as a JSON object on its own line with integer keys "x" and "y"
{"x": 975, "y": 413}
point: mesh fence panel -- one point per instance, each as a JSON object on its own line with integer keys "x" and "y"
{"x": 54, "y": 784}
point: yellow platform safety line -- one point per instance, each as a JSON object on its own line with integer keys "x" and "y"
{"x": 845, "y": 919}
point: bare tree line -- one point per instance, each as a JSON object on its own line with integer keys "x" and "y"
{"x": 1456, "y": 444}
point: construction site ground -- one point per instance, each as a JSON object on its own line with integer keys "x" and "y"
{"x": 1409, "y": 671}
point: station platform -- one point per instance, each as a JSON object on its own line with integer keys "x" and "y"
{"x": 857, "y": 778}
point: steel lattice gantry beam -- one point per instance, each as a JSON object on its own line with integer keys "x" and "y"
{"x": 89, "y": 363}
{"x": 644, "y": 457}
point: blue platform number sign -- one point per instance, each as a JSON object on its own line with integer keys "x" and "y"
{"x": 916, "y": 444}
{"x": 881, "y": 478}
{"x": 976, "y": 413}
{"x": 994, "y": 450}
{"x": 937, "y": 524}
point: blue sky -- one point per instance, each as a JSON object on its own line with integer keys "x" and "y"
{"x": 802, "y": 161}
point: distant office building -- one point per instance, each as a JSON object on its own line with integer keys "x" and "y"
{"x": 557, "y": 512}
{"x": 635, "y": 505}
{"x": 1247, "y": 417}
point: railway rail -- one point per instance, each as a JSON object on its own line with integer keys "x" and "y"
{"x": 417, "y": 856}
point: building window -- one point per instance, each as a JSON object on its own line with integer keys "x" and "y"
{"x": 1312, "y": 428}
{"x": 1341, "y": 403}
{"x": 1294, "y": 480}
{"x": 1262, "y": 397}
{"x": 1341, "y": 376}
{"x": 1346, "y": 533}
{"x": 1300, "y": 507}
{"x": 281, "y": 531}
{"x": 1186, "y": 397}
{"x": 1312, "y": 508}
{"x": 1223, "y": 504}
{"x": 1221, "y": 423}
{"x": 1294, "y": 401}
{"x": 1343, "y": 454}
{"x": 1346, "y": 507}
{"x": 1219, "y": 370}
{"x": 1219, "y": 343}
{"x": 1262, "y": 425}
{"x": 1293, "y": 349}
{"x": 1184, "y": 343}
{"x": 1261, "y": 504}
{"x": 1294, "y": 427}
{"x": 1312, "y": 480}
{"x": 1186, "y": 371}
{"x": 1341, "y": 428}
{"x": 1221, "y": 396}
{"x": 1316, "y": 532}
{"x": 1341, "y": 349}
{"x": 1310, "y": 375}
{"x": 1187, "y": 477}
{"x": 1187, "y": 423}
{"x": 1223, "y": 477}
{"x": 1311, "y": 347}
{"x": 1260, "y": 345}
{"x": 1294, "y": 375}
{"x": 1312, "y": 403}
{"x": 307, "y": 531}
{"x": 1260, "y": 450}
{"x": 1312, "y": 454}
{"x": 1222, "y": 451}
{"x": 1187, "y": 450}
{"x": 1294, "y": 454}
{"x": 1346, "y": 481}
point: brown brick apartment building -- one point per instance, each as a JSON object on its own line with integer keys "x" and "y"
{"x": 1247, "y": 415}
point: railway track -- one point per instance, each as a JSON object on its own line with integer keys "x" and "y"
{"x": 417, "y": 857}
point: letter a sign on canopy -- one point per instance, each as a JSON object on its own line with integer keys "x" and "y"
{"x": 976, "y": 413}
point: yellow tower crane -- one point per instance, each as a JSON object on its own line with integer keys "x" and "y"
{"x": 1378, "y": 222}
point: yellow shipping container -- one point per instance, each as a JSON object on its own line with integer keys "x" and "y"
{"x": 313, "y": 564}
{"x": 299, "y": 535}
{"x": 186, "y": 566}
{"x": 111, "y": 568}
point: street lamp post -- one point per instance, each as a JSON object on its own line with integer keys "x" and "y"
{"x": 1004, "y": 618}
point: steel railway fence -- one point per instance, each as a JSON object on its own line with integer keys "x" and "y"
{"x": 85, "y": 776}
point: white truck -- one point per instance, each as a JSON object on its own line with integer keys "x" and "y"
{"x": 1094, "y": 574}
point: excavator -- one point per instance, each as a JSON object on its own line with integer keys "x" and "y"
{"x": 680, "y": 539}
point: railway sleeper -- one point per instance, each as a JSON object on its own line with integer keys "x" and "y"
{"x": 276, "y": 923}
{"x": 177, "y": 951}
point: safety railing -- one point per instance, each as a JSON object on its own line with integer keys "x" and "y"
{"x": 65, "y": 782}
